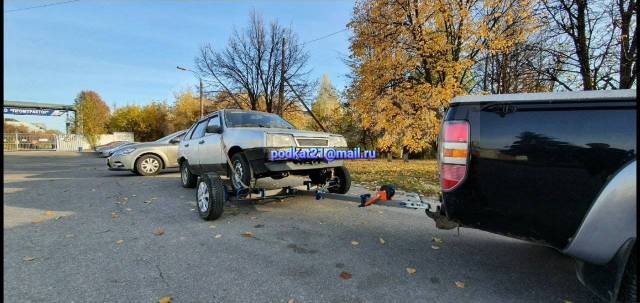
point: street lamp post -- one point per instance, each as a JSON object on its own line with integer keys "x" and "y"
{"x": 201, "y": 88}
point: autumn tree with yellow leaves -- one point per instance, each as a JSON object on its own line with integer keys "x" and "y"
{"x": 410, "y": 58}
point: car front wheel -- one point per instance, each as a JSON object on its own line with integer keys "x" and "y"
{"x": 148, "y": 165}
{"x": 241, "y": 174}
{"x": 342, "y": 179}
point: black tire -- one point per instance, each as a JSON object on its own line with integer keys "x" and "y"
{"x": 187, "y": 178}
{"x": 210, "y": 197}
{"x": 629, "y": 287}
{"x": 240, "y": 163}
{"x": 344, "y": 180}
{"x": 148, "y": 165}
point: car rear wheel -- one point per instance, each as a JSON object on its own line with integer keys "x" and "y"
{"x": 148, "y": 165}
{"x": 343, "y": 180}
{"x": 187, "y": 179}
{"x": 210, "y": 196}
{"x": 629, "y": 287}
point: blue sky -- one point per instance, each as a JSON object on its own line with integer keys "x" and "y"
{"x": 127, "y": 51}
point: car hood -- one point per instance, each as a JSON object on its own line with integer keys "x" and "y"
{"x": 147, "y": 144}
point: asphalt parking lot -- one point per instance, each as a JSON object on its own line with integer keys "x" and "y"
{"x": 76, "y": 232}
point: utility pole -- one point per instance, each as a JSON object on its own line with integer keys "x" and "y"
{"x": 201, "y": 88}
{"x": 281, "y": 90}
{"x": 201, "y": 105}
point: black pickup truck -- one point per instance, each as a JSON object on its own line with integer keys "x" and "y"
{"x": 557, "y": 169}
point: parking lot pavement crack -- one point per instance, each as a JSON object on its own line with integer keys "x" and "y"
{"x": 161, "y": 275}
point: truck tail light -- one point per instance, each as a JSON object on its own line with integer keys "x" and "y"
{"x": 454, "y": 153}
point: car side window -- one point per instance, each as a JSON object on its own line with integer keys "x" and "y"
{"x": 214, "y": 121}
{"x": 199, "y": 130}
{"x": 187, "y": 136}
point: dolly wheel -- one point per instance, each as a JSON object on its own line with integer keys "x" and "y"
{"x": 210, "y": 196}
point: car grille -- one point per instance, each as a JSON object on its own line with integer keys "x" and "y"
{"x": 312, "y": 142}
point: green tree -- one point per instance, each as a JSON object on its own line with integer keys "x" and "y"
{"x": 128, "y": 119}
{"x": 92, "y": 116}
{"x": 155, "y": 119}
{"x": 327, "y": 108}
{"x": 185, "y": 110}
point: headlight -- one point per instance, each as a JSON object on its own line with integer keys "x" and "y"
{"x": 126, "y": 151}
{"x": 337, "y": 141}
{"x": 280, "y": 140}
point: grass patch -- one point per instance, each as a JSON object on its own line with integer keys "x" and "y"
{"x": 416, "y": 175}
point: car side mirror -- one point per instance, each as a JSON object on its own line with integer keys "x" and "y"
{"x": 214, "y": 129}
{"x": 174, "y": 140}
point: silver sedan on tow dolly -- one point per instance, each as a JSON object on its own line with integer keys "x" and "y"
{"x": 147, "y": 158}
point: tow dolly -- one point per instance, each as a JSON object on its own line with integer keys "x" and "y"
{"x": 213, "y": 194}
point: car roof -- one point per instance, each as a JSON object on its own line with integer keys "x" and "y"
{"x": 600, "y": 95}
{"x": 232, "y": 110}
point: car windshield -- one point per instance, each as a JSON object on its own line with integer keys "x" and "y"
{"x": 256, "y": 119}
{"x": 167, "y": 137}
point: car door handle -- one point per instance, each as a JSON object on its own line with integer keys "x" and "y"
{"x": 186, "y": 145}
{"x": 201, "y": 141}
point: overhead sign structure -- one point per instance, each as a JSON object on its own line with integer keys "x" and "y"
{"x": 32, "y": 111}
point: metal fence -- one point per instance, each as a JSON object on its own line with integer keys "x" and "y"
{"x": 70, "y": 142}
{"x": 35, "y": 141}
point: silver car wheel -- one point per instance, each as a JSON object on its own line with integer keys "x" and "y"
{"x": 237, "y": 176}
{"x": 203, "y": 197}
{"x": 184, "y": 174}
{"x": 150, "y": 165}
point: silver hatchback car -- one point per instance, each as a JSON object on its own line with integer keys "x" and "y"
{"x": 246, "y": 139}
{"x": 147, "y": 158}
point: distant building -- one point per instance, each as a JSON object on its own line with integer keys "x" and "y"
{"x": 30, "y": 127}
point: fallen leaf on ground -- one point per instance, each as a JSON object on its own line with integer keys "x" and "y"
{"x": 381, "y": 241}
{"x": 50, "y": 213}
{"x": 159, "y": 231}
{"x": 212, "y": 226}
{"x": 119, "y": 242}
{"x": 165, "y": 300}
{"x": 247, "y": 234}
{"x": 345, "y": 275}
{"x": 218, "y": 236}
{"x": 28, "y": 258}
{"x": 37, "y": 221}
{"x": 354, "y": 243}
{"x": 114, "y": 215}
{"x": 460, "y": 284}
{"x": 411, "y": 270}
{"x": 435, "y": 247}
{"x": 436, "y": 239}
